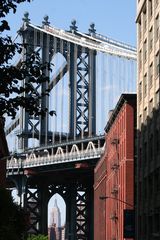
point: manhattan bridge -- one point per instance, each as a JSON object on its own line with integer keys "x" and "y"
{"x": 57, "y": 154}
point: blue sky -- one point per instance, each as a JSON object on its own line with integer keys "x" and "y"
{"x": 113, "y": 18}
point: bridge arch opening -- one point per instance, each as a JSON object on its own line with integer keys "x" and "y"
{"x": 14, "y": 194}
{"x": 56, "y": 216}
{"x": 59, "y": 97}
{"x": 58, "y": 61}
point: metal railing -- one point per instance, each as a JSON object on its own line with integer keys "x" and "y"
{"x": 95, "y": 44}
{"x": 34, "y": 161}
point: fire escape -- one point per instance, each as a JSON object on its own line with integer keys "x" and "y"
{"x": 114, "y": 190}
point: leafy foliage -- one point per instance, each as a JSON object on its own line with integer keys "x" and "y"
{"x": 14, "y": 94}
{"x": 7, "y": 5}
{"x": 38, "y": 237}
{"x": 12, "y": 218}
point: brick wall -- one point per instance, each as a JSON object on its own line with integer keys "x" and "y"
{"x": 99, "y": 205}
{"x": 117, "y": 182}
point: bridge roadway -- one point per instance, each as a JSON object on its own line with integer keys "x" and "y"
{"x": 98, "y": 42}
{"x": 67, "y": 156}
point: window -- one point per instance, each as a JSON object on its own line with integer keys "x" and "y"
{"x": 140, "y": 91}
{"x": 157, "y": 28}
{"x": 157, "y": 220}
{"x": 157, "y": 98}
{"x": 145, "y": 114}
{"x": 157, "y": 180}
{"x": 140, "y": 59}
{"x": 150, "y": 186}
{"x": 150, "y": 8}
{"x": 139, "y": 29}
{"x": 140, "y": 160}
{"x": 140, "y": 120}
{"x": 140, "y": 192}
{"x": 150, "y": 223}
{"x": 145, "y": 84}
{"x": 145, "y": 50}
{"x": 151, "y": 75}
{"x": 151, "y": 148}
{"x": 145, "y": 187}
{"x": 151, "y": 107}
{"x": 157, "y": 65}
{"x": 144, "y": 232}
{"x": 151, "y": 39}
{"x": 157, "y": 142}
{"x": 140, "y": 226}
{"x": 156, "y": 2}
{"x": 144, "y": 19}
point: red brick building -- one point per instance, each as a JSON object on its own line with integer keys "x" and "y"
{"x": 114, "y": 174}
{"x": 99, "y": 206}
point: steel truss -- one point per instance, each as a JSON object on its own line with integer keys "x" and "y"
{"x": 79, "y": 50}
{"x": 82, "y": 92}
{"x": 78, "y": 198}
{"x": 80, "y": 63}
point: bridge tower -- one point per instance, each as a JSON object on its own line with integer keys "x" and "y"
{"x": 80, "y": 64}
{"x": 35, "y": 191}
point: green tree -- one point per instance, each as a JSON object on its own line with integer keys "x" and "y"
{"x": 38, "y": 237}
{"x": 12, "y": 218}
{"x": 14, "y": 94}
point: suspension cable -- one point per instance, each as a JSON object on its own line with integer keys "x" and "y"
{"x": 68, "y": 67}
{"x": 55, "y": 92}
{"x": 61, "y": 92}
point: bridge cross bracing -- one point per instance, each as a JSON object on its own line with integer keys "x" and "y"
{"x": 79, "y": 63}
{"x": 64, "y": 168}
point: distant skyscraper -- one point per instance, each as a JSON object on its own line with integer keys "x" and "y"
{"x": 55, "y": 223}
{"x": 55, "y": 217}
{"x": 52, "y": 233}
{"x": 63, "y": 229}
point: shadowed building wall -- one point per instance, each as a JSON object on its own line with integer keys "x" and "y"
{"x": 148, "y": 120}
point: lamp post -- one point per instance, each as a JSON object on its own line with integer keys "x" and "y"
{"x": 117, "y": 199}
{"x": 129, "y": 218}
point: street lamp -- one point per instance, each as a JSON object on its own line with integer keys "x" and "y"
{"x": 117, "y": 199}
{"x": 129, "y": 219}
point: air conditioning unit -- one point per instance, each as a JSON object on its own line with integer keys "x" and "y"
{"x": 114, "y": 190}
{"x": 114, "y": 166}
{"x": 115, "y": 141}
{"x": 113, "y": 217}
{"x": 114, "y": 238}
